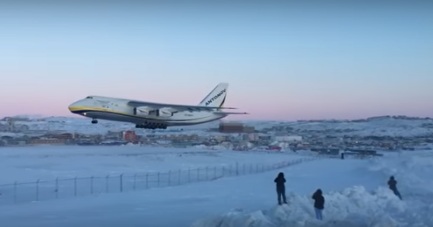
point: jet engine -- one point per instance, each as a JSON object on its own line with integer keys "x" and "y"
{"x": 164, "y": 112}
{"x": 143, "y": 111}
{"x": 148, "y": 111}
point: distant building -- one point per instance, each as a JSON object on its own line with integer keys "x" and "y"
{"x": 130, "y": 136}
{"x": 62, "y": 136}
{"x": 110, "y": 135}
{"x": 365, "y": 152}
{"x": 327, "y": 151}
{"x": 250, "y": 137}
{"x": 231, "y": 127}
{"x": 288, "y": 138}
{"x": 47, "y": 141}
{"x": 235, "y": 127}
{"x": 274, "y": 148}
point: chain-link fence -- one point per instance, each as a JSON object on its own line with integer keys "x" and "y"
{"x": 21, "y": 192}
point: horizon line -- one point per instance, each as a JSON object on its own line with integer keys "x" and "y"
{"x": 42, "y": 116}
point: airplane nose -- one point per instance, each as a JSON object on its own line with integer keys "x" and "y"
{"x": 71, "y": 107}
{"x": 74, "y": 107}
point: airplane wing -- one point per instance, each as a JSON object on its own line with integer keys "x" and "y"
{"x": 175, "y": 107}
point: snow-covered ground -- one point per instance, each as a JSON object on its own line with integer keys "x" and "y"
{"x": 24, "y": 164}
{"x": 355, "y": 192}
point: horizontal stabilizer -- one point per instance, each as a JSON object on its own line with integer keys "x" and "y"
{"x": 231, "y": 113}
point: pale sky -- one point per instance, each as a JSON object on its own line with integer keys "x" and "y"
{"x": 284, "y": 60}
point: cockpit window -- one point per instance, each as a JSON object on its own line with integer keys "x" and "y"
{"x": 89, "y": 97}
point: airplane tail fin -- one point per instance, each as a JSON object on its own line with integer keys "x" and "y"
{"x": 216, "y": 97}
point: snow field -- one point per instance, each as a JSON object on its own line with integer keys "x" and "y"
{"x": 355, "y": 191}
{"x": 156, "y": 160}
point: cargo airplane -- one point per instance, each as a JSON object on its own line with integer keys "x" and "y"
{"x": 154, "y": 115}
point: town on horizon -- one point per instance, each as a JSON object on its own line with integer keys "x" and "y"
{"x": 389, "y": 133}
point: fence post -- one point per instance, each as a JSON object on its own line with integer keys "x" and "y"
{"x": 147, "y": 180}
{"x": 57, "y": 188}
{"x": 207, "y": 173}
{"x": 135, "y": 182}
{"x": 169, "y": 177}
{"x": 121, "y": 182}
{"x": 198, "y": 174}
{"x": 75, "y": 186}
{"x": 158, "y": 180}
{"x": 189, "y": 175}
{"x": 106, "y": 183}
{"x": 178, "y": 179}
{"x": 91, "y": 185}
{"x": 237, "y": 168}
{"x": 15, "y": 192}
{"x": 37, "y": 190}
{"x": 215, "y": 172}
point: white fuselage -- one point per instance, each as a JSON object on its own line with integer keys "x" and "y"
{"x": 97, "y": 107}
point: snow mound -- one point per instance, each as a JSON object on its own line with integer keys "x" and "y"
{"x": 353, "y": 206}
{"x": 413, "y": 172}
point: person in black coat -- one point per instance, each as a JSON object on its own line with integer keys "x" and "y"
{"x": 392, "y": 183}
{"x": 281, "y": 189}
{"x": 319, "y": 203}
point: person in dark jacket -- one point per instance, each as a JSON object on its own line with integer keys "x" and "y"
{"x": 319, "y": 203}
{"x": 392, "y": 183}
{"x": 281, "y": 189}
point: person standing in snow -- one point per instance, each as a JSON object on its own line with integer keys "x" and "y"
{"x": 281, "y": 189}
{"x": 319, "y": 203}
{"x": 392, "y": 183}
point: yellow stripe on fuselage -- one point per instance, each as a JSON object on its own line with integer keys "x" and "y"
{"x": 82, "y": 108}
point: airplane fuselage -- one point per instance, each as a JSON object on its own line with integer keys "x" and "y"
{"x": 115, "y": 109}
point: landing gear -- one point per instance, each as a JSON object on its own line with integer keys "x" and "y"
{"x": 94, "y": 121}
{"x": 151, "y": 125}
